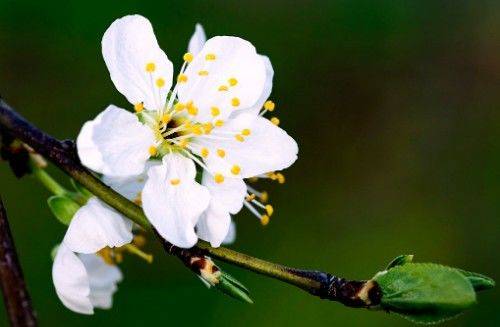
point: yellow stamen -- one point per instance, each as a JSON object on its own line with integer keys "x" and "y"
{"x": 204, "y": 152}
{"x": 179, "y": 106}
{"x": 175, "y": 181}
{"x": 219, "y": 123}
{"x": 221, "y": 153}
{"x": 203, "y": 73}
{"x": 183, "y": 143}
{"x": 139, "y": 240}
{"x": 232, "y": 81}
{"x": 223, "y": 88}
{"x": 245, "y": 132}
{"x": 269, "y": 105}
{"x": 192, "y": 110}
{"x": 138, "y": 107}
{"x": 150, "y": 67}
{"x": 264, "y": 196}
{"x": 165, "y": 118}
{"x": 182, "y": 78}
{"x": 269, "y": 210}
{"x": 210, "y": 56}
{"x": 215, "y": 111}
{"x": 250, "y": 197}
{"x": 188, "y": 57}
{"x": 264, "y": 220}
{"x": 208, "y": 127}
{"x": 153, "y": 151}
{"x": 219, "y": 178}
{"x": 240, "y": 138}
{"x": 281, "y": 178}
{"x": 235, "y": 170}
{"x": 160, "y": 82}
{"x": 275, "y": 121}
{"x": 107, "y": 255}
{"x": 235, "y": 102}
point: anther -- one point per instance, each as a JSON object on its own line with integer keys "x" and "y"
{"x": 235, "y": 102}
{"x": 275, "y": 121}
{"x": 221, "y": 153}
{"x": 192, "y": 110}
{"x": 175, "y": 181}
{"x": 150, "y": 67}
{"x": 160, "y": 82}
{"x": 269, "y": 210}
{"x": 235, "y": 170}
{"x": 280, "y": 177}
{"x": 179, "y": 106}
{"x": 153, "y": 150}
{"x": 269, "y": 105}
{"x": 182, "y": 78}
{"x": 250, "y": 197}
{"x": 239, "y": 137}
{"x": 210, "y": 56}
{"x": 138, "y": 107}
{"x": 219, "y": 178}
{"x": 203, "y": 73}
{"x": 223, "y": 88}
{"x": 264, "y": 196}
{"x": 264, "y": 220}
{"x": 204, "y": 152}
{"x": 207, "y": 127}
{"x": 188, "y": 57}
{"x": 215, "y": 111}
{"x": 245, "y": 132}
{"x": 232, "y": 81}
{"x": 219, "y": 123}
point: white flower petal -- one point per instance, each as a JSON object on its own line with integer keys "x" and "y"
{"x": 266, "y": 92}
{"x": 95, "y": 226}
{"x": 71, "y": 281}
{"x": 214, "y": 224}
{"x": 267, "y": 148}
{"x": 197, "y": 41}
{"x": 130, "y": 186}
{"x": 128, "y": 45}
{"x": 229, "y": 195}
{"x": 115, "y": 143}
{"x": 231, "y": 234}
{"x": 102, "y": 278}
{"x": 173, "y": 201}
{"x": 232, "y": 57}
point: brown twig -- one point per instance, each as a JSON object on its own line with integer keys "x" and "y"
{"x": 15, "y": 294}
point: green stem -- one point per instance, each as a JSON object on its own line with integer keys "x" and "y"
{"x": 63, "y": 155}
{"x": 50, "y": 183}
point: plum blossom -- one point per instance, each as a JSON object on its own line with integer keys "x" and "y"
{"x": 210, "y": 118}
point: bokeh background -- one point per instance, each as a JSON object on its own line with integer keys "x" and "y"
{"x": 394, "y": 104}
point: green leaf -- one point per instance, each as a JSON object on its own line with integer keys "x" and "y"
{"x": 425, "y": 292}
{"x": 63, "y": 208}
{"x": 400, "y": 260}
{"x": 230, "y": 286}
{"x": 479, "y": 282}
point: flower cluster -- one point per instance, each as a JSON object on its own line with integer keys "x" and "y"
{"x": 186, "y": 153}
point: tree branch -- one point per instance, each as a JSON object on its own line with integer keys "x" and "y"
{"x": 15, "y": 294}
{"x": 63, "y": 155}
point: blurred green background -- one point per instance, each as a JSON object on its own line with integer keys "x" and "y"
{"x": 394, "y": 104}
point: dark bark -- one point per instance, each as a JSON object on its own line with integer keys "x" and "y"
{"x": 15, "y": 294}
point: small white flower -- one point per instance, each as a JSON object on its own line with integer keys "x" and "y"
{"x": 82, "y": 279}
{"x": 211, "y": 117}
